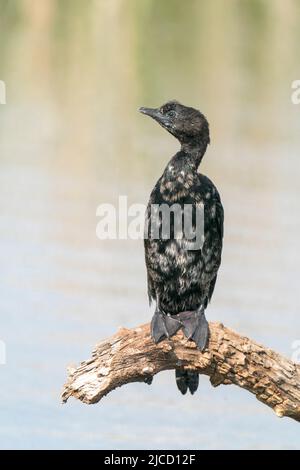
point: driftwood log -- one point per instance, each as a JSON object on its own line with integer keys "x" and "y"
{"x": 131, "y": 356}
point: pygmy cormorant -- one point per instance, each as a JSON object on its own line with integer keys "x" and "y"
{"x": 181, "y": 279}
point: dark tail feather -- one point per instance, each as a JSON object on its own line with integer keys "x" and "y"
{"x": 187, "y": 380}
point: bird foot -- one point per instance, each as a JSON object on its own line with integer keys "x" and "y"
{"x": 195, "y": 326}
{"x": 148, "y": 380}
{"x": 187, "y": 380}
{"x": 163, "y": 326}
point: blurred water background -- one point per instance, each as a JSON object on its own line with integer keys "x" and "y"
{"x": 71, "y": 138}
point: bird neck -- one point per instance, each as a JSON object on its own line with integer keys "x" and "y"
{"x": 180, "y": 175}
{"x": 195, "y": 150}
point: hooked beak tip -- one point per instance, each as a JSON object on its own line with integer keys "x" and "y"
{"x": 152, "y": 112}
{"x": 143, "y": 110}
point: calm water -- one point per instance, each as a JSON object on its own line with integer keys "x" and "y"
{"x": 70, "y": 139}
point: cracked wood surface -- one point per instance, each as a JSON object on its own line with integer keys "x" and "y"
{"x": 131, "y": 356}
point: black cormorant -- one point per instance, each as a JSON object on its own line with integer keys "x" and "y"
{"x": 181, "y": 280}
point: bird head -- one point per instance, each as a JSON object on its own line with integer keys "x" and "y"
{"x": 183, "y": 122}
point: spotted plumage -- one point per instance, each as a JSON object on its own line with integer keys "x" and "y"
{"x": 181, "y": 279}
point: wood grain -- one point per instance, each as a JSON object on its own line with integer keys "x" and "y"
{"x": 131, "y": 356}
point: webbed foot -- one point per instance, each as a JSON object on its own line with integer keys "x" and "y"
{"x": 163, "y": 326}
{"x": 195, "y": 327}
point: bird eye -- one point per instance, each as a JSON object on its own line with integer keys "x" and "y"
{"x": 171, "y": 113}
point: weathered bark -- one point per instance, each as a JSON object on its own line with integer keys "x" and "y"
{"x": 131, "y": 356}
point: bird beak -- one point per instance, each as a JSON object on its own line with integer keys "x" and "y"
{"x": 156, "y": 115}
{"x": 152, "y": 112}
